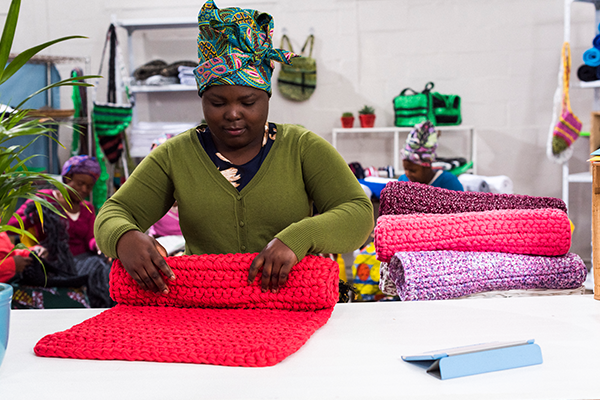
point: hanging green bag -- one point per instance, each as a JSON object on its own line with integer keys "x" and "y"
{"x": 298, "y": 81}
{"x": 411, "y": 108}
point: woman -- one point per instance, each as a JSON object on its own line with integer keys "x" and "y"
{"x": 80, "y": 173}
{"x": 259, "y": 197}
{"x": 419, "y": 153}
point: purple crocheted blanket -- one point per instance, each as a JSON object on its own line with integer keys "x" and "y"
{"x": 413, "y": 198}
{"x": 440, "y": 275}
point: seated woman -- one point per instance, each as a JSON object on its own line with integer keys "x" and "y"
{"x": 80, "y": 173}
{"x": 243, "y": 184}
{"x": 419, "y": 153}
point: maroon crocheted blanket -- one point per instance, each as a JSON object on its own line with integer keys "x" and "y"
{"x": 414, "y": 198}
{"x": 210, "y": 316}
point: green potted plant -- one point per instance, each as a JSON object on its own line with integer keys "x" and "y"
{"x": 347, "y": 120}
{"x": 367, "y": 117}
{"x": 16, "y": 181}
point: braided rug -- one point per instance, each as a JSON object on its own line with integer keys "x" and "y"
{"x": 210, "y": 316}
{"x": 440, "y": 275}
{"x": 544, "y": 232}
{"x": 412, "y": 198}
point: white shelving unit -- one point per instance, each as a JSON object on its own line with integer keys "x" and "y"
{"x": 142, "y": 133}
{"x": 582, "y": 177}
{"x": 396, "y": 131}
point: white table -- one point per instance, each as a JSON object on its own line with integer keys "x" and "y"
{"x": 356, "y": 355}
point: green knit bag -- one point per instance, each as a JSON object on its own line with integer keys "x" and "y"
{"x": 298, "y": 81}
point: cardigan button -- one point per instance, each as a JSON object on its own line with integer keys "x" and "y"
{"x": 241, "y": 223}
{"x": 243, "y": 248}
{"x": 239, "y": 197}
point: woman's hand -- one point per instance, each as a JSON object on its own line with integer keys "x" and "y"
{"x": 276, "y": 261}
{"x": 40, "y": 251}
{"x": 143, "y": 258}
{"x": 21, "y": 263}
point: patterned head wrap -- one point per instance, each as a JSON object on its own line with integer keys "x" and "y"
{"x": 81, "y": 165}
{"x": 235, "y": 48}
{"x": 421, "y": 144}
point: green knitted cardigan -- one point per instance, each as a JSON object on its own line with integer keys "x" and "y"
{"x": 215, "y": 218}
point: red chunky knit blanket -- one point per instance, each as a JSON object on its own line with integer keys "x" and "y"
{"x": 544, "y": 232}
{"x": 210, "y": 316}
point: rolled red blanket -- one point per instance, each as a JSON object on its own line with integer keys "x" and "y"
{"x": 538, "y": 232}
{"x": 210, "y": 316}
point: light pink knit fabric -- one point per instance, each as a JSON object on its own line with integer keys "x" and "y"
{"x": 545, "y": 232}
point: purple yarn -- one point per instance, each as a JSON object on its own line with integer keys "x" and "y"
{"x": 416, "y": 198}
{"x": 441, "y": 275}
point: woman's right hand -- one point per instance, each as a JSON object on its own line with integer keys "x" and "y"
{"x": 143, "y": 258}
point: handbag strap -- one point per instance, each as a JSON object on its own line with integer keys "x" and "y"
{"x": 285, "y": 38}
{"x": 428, "y": 87}
{"x": 404, "y": 91}
{"x": 311, "y": 39}
{"x": 566, "y": 57}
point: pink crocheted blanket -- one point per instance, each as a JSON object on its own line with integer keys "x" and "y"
{"x": 544, "y": 232}
{"x": 412, "y": 198}
{"x": 210, "y": 316}
{"x": 440, "y": 275}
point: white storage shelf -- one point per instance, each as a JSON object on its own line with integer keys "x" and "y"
{"x": 142, "y": 133}
{"x": 396, "y": 131}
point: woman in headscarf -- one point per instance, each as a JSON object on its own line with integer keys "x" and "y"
{"x": 81, "y": 257}
{"x": 242, "y": 184}
{"x": 418, "y": 155}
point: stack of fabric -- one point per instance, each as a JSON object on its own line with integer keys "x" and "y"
{"x": 186, "y": 75}
{"x": 439, "y": 244}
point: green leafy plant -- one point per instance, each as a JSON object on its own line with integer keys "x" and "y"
{"x": 366, "y": 110}
{"x": 17, "y": 182}
{"x": 347, "y": 115}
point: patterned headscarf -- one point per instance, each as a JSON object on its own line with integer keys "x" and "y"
{"x": 235, "y": 48}
{"x": 421, "y": 144}
{"x": 81, "y": 165}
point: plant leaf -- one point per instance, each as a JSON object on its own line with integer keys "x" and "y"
{"x": 8, "y": 34}
{"x": 26, "y": 55}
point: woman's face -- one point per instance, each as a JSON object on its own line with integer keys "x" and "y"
{"x": 417, "y": 173}
{"x": 83, "y": 184}
{"x": 236, "y": 116}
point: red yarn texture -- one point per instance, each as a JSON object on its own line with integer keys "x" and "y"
{"x": 210, "y": 316}
{"x": 545, "y": 232}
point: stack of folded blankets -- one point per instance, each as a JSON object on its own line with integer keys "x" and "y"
{"x": 186, "y": 75}
{"x": 437, "y": 244}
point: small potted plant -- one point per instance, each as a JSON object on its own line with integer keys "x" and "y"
{"x": 347, "y": 120}
{"x": 367, "y": 117}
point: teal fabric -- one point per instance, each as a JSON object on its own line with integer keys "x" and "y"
{"x": 235, "y": 47}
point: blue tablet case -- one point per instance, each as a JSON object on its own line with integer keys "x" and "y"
{"x": 480, "y": 358}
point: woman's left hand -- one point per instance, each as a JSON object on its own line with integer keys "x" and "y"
{"x": 276, "y": 261}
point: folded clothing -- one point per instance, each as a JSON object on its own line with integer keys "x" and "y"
{"x": 413, "y": 197}
{"x": 210, "y": 316}
{"x": 587, "y": 73}
{"x": 441, "y": 275}
{"x": 543, "y": 231}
